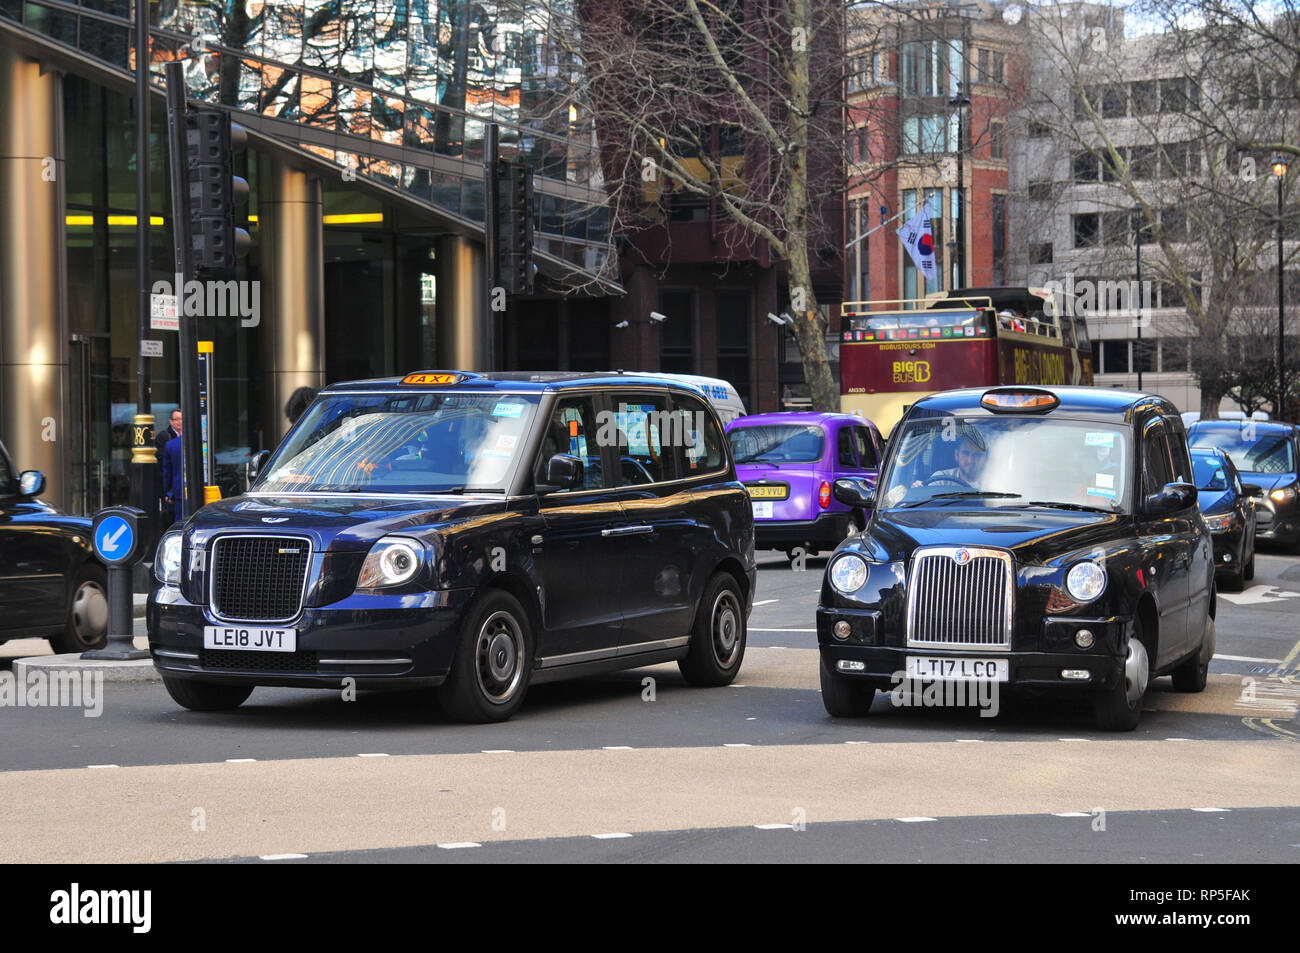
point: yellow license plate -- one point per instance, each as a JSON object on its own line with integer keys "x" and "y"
{"x": 767, "y": 492}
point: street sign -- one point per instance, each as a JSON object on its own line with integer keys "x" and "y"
{"x": 120, "y": 534}
{"x": 163, "y": 315}
{"x": 151, "y": 348}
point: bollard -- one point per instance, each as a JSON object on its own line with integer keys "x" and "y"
{"x": 121, "y": 536}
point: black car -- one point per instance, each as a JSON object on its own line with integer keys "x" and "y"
{"x": 1228, "y": 506}
{"x": 1032, "y": 538}
{"x": 51, "y": 584}
{"x": 480, "y": 533}
{"x": 1268, "y": 454}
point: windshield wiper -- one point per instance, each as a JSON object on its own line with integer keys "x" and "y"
{"x": 960, "y": 494}
{"x": 461, "y": 490}
{"x": 1074, "y": 506}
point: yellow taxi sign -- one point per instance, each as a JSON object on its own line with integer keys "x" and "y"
{"x": 1011, "y": 400}
{"x": 440, "y": 377}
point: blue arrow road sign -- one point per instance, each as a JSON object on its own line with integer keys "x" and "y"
{"x": 114, "y": 539}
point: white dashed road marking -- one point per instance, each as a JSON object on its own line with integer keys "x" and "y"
{"x": 913, "y": 820}
{"x": 283, "y": 856}
{"x": 611, "y": 835}
{"x": 459, "y": 845}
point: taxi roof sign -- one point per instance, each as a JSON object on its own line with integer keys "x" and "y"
{"x": 434, "y": 377}
{"x": 1017, "y": 399}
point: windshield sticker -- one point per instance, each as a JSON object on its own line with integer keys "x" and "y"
{"x": 507, "y": 441}
{"x": 1106, "y": 480}
{"x": 1093, "y": 439}
{"x": 1101, "y": 491}
{"x": 505, "y": 409}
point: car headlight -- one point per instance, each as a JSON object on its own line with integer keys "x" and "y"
{"x": 848, "y": 574}
{"x": 1219, "y": 523}
{"x": 167, "y": 560}
{"x": 1085, "y": 581}
{"x": 1283, "y": 494}
{"x": 391, "y": 561}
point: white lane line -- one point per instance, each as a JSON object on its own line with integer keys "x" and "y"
{"x": 857, "y": 742}
{"x": 774, "y": 827}
{"x": 751, "y": 718}
{"x": 240, "y": 760}
{"x": 752, "y": 629}
{"x": 1247, "y": 658}
{"x": 913, "y": 820}
{"x": 459, "y": 845}
{"x": 736, "y": 744}
{"x": 373, "y": 754}
{"x": 1212, "y": 810}
{"x": 283, "y": 856}
{"x": 1071, "y": 739}
{"x": 765, "y": 602}
{"x": 737, "y": 685}
{"x": 616, "y": 748}
{"x": 611, "y": 835}
{"x": 970, "y": 741}
{"x": 498, "y": 751}
{"x": 1072, "y": 814}
{"x": 1178, "y": 739}
{"x": 103, "y": 766}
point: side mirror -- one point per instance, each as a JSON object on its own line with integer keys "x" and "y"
{"x": 854, "y": 491}
{"x": 1252, "y": 489}
{"x": 1171, "y": 498}
{"x": 563, "y": 472}
{"x": 255, "y": 464}
{"x": 31, "y": 483}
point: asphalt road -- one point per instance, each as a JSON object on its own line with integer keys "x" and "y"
{"x": 689, "y": 773}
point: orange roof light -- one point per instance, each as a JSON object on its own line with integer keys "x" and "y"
{"x": 1002, "y": 401}
{"x": 439, "y": 378}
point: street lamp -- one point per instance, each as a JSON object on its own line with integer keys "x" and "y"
{"x": 1279, "y": 172}
{"x": 961, "y": 101}
{"x": 1136, "y": 222}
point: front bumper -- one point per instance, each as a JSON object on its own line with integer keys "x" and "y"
{"x": 826, "y": 531}
{"x": 377, "y": 641}
{"x": 1278, "y": 522}
{"x": 1032, "y": 668}
{"x": 1229, "y": 549}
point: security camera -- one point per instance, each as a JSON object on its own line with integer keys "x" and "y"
{"x": 621, "y": 324}
{"x": 656, "y": 316}
{"x": 776, "y": 319}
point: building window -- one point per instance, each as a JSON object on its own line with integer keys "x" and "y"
{"x": 1144, "y": 355}
{"x": 1084, "y": 166}
{"x": 1115, "y": 228}
{"x": 1096, "y": 357}
{"x": 998, "y": 61}
{"x": 1174, "y": 222}
{"x": 1039, "y": 130}
{"x": 1142, "y": 162}
{"x": 1173, "y": 354}
{"x": 1114, "y": 357}
{"x": 1114, "y": 101}
{"x": 984, "y": 65}
{"x": 1087, "y": 228}
{"x": 999, "y": 238}
{"x": 1041, "y": 191}
{"x": 733, "y": 340}
{"x": 1171, "y": 295}
{"x": 677, "y": 334}
{"x": 911, "y": 58}
{"x": 997, "y": 139}
{"x": 1176, "y": 95}
{"x": 863, "y": 137}
{"x": 1040, "y": 254}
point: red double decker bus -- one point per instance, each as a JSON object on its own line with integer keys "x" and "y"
{"x": 893, "y": 353}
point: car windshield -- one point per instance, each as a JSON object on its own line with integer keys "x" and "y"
{"x": 403, "y": 443}
{"x": 1249, "y": 451}
{"x": 777, "y": 443}
{"x": 1207, "y": 469}
{"x": 1008, "y": 461}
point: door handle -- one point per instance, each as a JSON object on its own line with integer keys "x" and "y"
{"x": 627, "y": 530}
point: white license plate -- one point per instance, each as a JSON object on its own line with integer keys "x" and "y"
{"x": 762, "y": 509}
{"x": 958, "y": 669}
{"x": 249, "y": 638}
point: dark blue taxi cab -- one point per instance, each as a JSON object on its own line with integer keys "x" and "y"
{"x": 479, "y": 533}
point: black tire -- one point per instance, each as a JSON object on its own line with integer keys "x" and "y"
{"x": 845, "y": 697}
{"x": 1192, "y": 675}
{"x": 86, "y": 624}
{"x": 1119, "y": 708}
{"x": 1235, "y": 581}
{"x": 718, "y": 637}
{"x": 206, "y": 696}
{"x": 489, "y": 675}
{"x": 1248, "y": 568}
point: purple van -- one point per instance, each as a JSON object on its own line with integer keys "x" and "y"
{"x": 789, "y": 462}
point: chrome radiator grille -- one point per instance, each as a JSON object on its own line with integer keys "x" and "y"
{"x": 259, "y": 578}
{"x": 960, "y": 597}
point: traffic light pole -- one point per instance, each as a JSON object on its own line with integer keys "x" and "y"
{"x": 191, "y": 438}
{"x": 144, "y": 461}
{"x": 491, "y": 241}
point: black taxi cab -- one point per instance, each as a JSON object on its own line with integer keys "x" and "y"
{"x": 1038, "y": 539}
{"x": 479, "y": 533}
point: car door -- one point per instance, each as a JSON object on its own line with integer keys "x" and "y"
{"x": 868, "y": 449}
{"x": 1195, "y": 551}
{"x": 657, "y": 537}
{"x": 580, "y": 561}
{"x": 34, "y": 559}
{"x": 1163, "y": 544}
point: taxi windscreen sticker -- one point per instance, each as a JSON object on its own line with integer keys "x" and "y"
{"x": 507, "y": 409}
{"x": 1094, "y": 439}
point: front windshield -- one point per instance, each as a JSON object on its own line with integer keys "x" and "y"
{"x": 1250, "y": 451}
{"x": 1008, "y": 461}
{"x": 403, "y": 443}
{"x": 777, "y": 443}
{"x": 1207, "y": 470}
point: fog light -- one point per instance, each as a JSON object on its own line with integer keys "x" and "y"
{"x": 842, "y": 629}
{"x": 848, "y": 665}
{"x": 1077, "y": 674}
{"x": 1227, "y": 557}
{"x": 1084, "y": 638}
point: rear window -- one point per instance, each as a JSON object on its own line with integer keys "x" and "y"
{"x": 777, "y": 443}
{"x": 1248, "y": 448}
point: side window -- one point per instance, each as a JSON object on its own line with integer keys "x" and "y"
{"x": 1156, "y": 468}
{"x": 644, "y": 428}
{"x": 866, "y": 448}
{"x": 1179, "y": 455}
{"x": 845, "y": 455}
{"x": 702, "y": 447}
{"x": 573, "y": 430}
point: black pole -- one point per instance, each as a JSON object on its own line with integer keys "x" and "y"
{"x": 491, "y": 149}
{"x": 144, "y": 461}
{"x": 1137, "y": 241}
{"x": 1281, "y": 295}
{"x": 178, "y": 158}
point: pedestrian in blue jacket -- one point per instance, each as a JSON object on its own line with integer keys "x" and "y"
{"x": 172, "y": 474}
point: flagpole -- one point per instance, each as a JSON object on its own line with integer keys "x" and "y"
{"x": 872, "y": 231}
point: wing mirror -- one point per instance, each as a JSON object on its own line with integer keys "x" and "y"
{"x": 563, "y": 472}
{"x": 1171, "y": 498}
{"x": 855, "y": 492}
{"x": 255, "y": 464}
{"x": 31, "y": 483}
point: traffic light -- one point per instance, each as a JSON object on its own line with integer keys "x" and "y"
{"x": 515, "y": 227}
{"x": 215, "y": 190}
